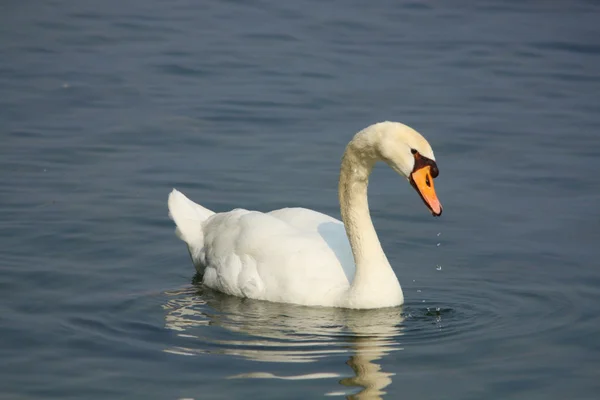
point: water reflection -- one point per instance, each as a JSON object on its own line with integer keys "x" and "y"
{"x": 283, "y": 333}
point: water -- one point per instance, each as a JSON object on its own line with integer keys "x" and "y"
{"x": 105, "y": 106}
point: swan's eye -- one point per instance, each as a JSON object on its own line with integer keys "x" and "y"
{"x": 413, "y": 151}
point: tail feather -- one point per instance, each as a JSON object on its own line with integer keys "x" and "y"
{"x": 188, "y": 217}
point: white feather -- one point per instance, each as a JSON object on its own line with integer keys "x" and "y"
{"x": 296, "y": 255}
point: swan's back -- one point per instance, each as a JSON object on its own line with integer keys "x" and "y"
{"x": 291, "y": 255}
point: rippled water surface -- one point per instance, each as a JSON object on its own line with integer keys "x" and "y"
{"x": 105, "y": 106}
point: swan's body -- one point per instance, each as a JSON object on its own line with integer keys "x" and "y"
{"x": 300, "y": 256}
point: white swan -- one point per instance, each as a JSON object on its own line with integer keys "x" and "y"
{"x": 296, "y": 255}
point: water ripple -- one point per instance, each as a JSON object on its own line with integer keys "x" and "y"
{"x": 207, "y": 322}
{"x": 284, "y": 333}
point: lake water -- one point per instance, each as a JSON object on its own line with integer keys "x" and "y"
{"x": 105, "y": 106}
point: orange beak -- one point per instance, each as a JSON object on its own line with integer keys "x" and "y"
{"x": 422, "y": 181}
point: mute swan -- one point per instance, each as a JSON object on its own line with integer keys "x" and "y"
{"x": 296, "y": 255}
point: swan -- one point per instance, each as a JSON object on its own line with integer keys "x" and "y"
{"x": 301, "y": 256}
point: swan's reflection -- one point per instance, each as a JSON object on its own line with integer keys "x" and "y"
{"x": 288, "y": 333}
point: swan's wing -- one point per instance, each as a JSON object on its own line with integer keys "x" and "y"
{"x": 303, "y": 218}
{"x": 331, "y": 230}
{"x": 257, "y": 255}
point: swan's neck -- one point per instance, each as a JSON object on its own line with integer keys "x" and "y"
{"x": 374, "y": 279}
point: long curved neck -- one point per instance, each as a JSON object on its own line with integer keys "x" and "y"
{"x": 354, "y": 207}
{"x": 374, "y": 275}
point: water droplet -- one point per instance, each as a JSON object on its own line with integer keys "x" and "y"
{"x": 438, "y": 245}
{"x": 438, "y": 267}
{"x": 418, "y": 290}
{"x": 439, "y": 233}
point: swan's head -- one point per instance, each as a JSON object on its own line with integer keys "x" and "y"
{"x": 410, "y": 155}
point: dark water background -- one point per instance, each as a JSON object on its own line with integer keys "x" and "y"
{"x": 105, "y": 106}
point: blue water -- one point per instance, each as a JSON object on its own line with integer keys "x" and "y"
{"x": 105, "y": 106}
